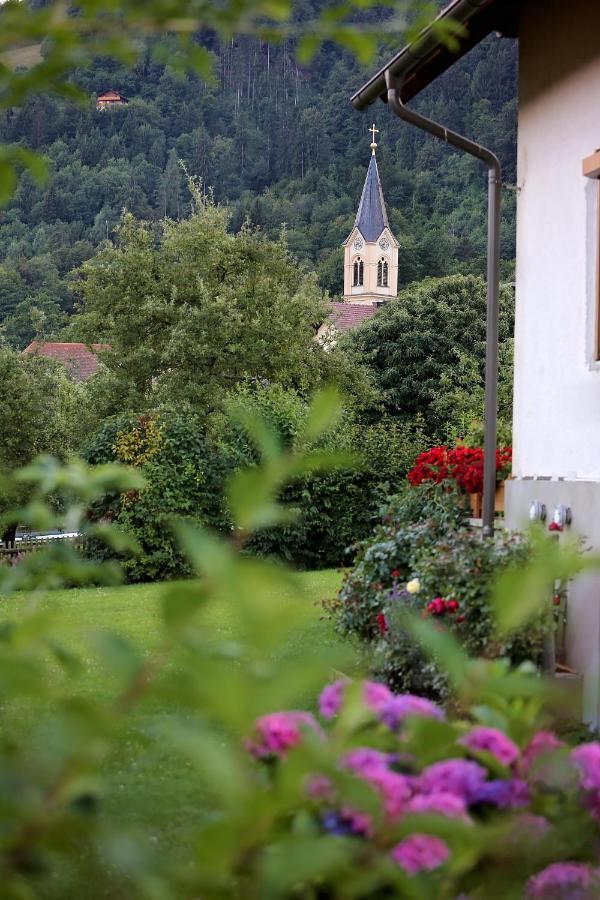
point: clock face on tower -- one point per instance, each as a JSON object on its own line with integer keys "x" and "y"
{"x": 384, "y": 244}
{"x": 358, "y": 244}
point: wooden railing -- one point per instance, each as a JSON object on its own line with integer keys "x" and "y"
{"x": 15, "y": 549}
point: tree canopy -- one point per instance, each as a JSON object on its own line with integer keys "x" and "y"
{"x": 190, "y": 309}
{"x": 417, "y": 346}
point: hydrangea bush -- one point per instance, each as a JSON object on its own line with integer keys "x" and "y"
{"x": 425, "y": 560}
{"x": 459, "y": 808}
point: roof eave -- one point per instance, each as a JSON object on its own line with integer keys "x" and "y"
{"x": 420, "y": 63}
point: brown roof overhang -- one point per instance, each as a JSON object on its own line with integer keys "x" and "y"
{"x": 421, "y": 62}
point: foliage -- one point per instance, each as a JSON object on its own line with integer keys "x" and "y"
{"x": 435, "y": 808}
{"x": 411, "y": 346}
{"x": 335, "y": 509}
{"x": 41, "y": 411}
{"x": 191, "y": 310}
{"x": 281, "y": 832}
{"x": 183, "y": 477}
{"x": 452, "y": 570}
{"x": 459, "y": 402}
{"x": 277, "y": 142}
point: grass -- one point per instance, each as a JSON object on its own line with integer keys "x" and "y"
{"x": 23, "y": 57}
{"x": 147, "y": 787}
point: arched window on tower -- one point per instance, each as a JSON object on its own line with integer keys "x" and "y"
{"x": 358, "y": 273}
{"x": 382, "y": 273}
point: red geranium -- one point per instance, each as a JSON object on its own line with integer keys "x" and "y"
{"x": 463, "y": 465}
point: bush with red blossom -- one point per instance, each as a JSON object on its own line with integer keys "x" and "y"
{"x": 461, "y": 465}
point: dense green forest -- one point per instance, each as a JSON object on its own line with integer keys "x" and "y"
{"x": 275, "y": 140}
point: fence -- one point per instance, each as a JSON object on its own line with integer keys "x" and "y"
{"x": 13, "y": 550}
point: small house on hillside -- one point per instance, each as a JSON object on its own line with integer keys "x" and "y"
{"x": 108, "y": 99}
{"x": 81, "y": 361}
{"x": 556, "y": 423}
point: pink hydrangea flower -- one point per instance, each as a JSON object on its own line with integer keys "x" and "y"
{"x": 587, "y": 759}
{"x": 364, "y": 760}
{"x": 493, "y": 741}
{"x": 455, "y": 776}
{"x": 276, "y": 733}
{"x": 399, "y": 707}
{"x": 331, "y": 698}
{"x": 420, "y": 852}
{"x": 564, "y": 881}
{"x": 374, "y": 695}
{"x": 442, "y": 803}
{"x": 372, "y": 766}
{"x": 320, "y": 787}
{"x": 541, "y": 743}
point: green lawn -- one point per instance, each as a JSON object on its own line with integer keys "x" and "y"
{"x": 148, "y": 787}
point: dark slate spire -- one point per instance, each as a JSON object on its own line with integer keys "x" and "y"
{"x": 371, "y": 217}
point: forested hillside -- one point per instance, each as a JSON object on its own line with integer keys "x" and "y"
{"x": 277, "y": 141}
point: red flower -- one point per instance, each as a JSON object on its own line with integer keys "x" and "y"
{"x": 452, "y": 605}
{"x": 464, "y": 465}
{"x": 395, "y": 573}
{"x": 460, "y": 619}
{"x": 557, "y": 599}
{"x": 382, "y": 623}
{"x": 554, "y": 526}
{"x": 437, "y": 607}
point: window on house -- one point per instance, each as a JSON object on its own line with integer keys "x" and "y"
{"x": 358, "y": 273}
{"x": 382, "y": 273}
{"x": 591, "y": 169}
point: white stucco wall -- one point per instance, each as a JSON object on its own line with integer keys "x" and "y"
{"x": 557, "y": 382}
{"x": 556, "y": 431}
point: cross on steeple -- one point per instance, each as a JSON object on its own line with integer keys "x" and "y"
{"x": 373, "y": 131}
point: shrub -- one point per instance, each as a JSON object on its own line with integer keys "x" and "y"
{"x": 334, "y": 509}
{"x": 184, "y": 478}
{"x": 425, "y": 537}
{"x": 436, "y": 808}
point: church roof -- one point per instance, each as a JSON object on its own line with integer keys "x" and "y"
{"x": 371, "y": 217}
{"x": 345, "y": 316}
{"x": 80, "y": 360}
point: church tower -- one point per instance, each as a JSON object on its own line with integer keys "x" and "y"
{"x": 371, "y": 250}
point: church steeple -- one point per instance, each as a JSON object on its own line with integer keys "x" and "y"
{"x": 371, "y": 250}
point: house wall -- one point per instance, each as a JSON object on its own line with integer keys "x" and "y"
{"x": 557, "y": 380}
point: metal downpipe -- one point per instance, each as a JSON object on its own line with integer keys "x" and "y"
{"x": 486, "y": 156}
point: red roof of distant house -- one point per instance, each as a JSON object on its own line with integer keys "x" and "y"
{"x": 111, "y": 97}
{"x": 78, "y": 358}
{"x": 348, "y": 315}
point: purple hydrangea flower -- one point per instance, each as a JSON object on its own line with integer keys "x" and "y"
{"x": 493, "y": 741}
{"x": 506, "y": 794}
{"x": 347, "y": 822}
{"x": 399, "y": 707}
{"x": 276, "y": 733}
{"x": 587, "y": 759}
{"x": 442, "y": 803}
{"x": 420, "y": 852}
{"x": 564, "y": 881}
{"x": 455, "y": 776}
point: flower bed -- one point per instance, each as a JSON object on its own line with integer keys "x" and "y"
{"x": 425, "y": 536}
{"x": 452, "y": 805}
